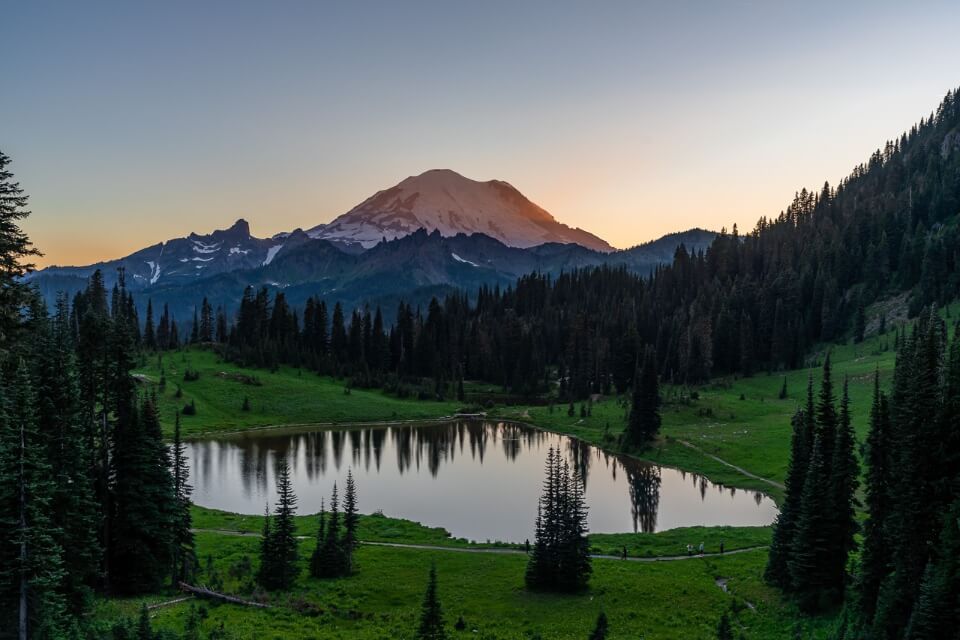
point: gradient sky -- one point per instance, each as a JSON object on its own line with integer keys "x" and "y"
{"x": 134, "y": 122}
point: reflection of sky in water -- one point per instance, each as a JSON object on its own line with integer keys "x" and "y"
{"x": 477, "y": 480}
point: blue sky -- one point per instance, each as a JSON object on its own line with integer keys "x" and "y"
{"x": 129, "y": 123}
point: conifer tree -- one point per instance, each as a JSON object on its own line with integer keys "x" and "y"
{"x": 844, "y": 482}
{"x": 644, "y": 423}
{"x": 350, "y": 522}
{"x": 267, "y": 568}
{"x": 431, "y": 613}
{"x": 560, "y": 557}
{"x": 144, "y": 506}
{"x": 184, "y": 550}
{"x": 60, "y": 423}
{"x": 937, "y": 610}
{"x": 279, "y": 550}
{"x": 15, "y": 250}
{"x": 777, "y": 571}
{"x": 316, "y": 558}
{"x": 31, "y": 564}
{"x": 875, "y": 557}
{"x": 149, "y": 333}
{"x": 601, "y": 628}
{"x": 724, "y": 629}
{"x": 810, "y": 574}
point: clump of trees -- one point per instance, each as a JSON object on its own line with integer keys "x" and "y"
{"x": 91, "y": 498}
{"x": 560, "y": 557}
{"x": 909, "y": 570}
{"x": 815, "y": 529}
{"x": 336, "y": 542}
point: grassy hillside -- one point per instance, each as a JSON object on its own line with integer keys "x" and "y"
{"x": 287, "y": 396}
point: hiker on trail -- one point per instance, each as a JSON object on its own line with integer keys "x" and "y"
{"x": 701, "y": 548}
{"x": 526, "y": 545}
{"x": 689, "y": 549}
{"x": 721, "y": 547}
{"x": 624, "y": 557}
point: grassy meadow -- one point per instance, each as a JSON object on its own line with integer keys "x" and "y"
{"x": 741, "y": 421}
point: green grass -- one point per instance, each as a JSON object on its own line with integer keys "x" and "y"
{"x": 379, "y": 528}
{"x": 643, "y": 600}
{"x": 287, "y": 396}
{"x": 658, "y": 600}
{"x": 752, "y": 433}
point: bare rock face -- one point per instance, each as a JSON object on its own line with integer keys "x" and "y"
{"x": 445, "y": 201}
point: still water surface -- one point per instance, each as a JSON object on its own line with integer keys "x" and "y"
{"x": 479, "y": 480}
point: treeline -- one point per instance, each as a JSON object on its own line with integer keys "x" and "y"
{"x": 92, "y": 500}
{"x": 754, "y": 302}
{"x": 905, "y": 581}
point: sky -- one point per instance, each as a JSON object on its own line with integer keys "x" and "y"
{"x": 129, "y": 123}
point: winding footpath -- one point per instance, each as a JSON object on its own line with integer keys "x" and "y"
{"x": 500, "y": 550}
{"x": 732, "y": 466}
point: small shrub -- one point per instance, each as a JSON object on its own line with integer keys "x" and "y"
{"x": 190, "y": 409}
{"x": 246, "y": 404}
{"x": 191, "y": 375}
{"x": 179, "y": 392}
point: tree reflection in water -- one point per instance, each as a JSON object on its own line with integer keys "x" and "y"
{"x": 235, "y": 472}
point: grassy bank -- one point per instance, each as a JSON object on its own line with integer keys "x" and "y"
{"x": 380, "y": 528}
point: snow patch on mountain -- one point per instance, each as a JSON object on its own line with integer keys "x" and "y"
{"x": 154, "y": 271}
{"x": 459, "y": 259}
{"x": 201, "y": 247}
{"x": 272, "y": 253}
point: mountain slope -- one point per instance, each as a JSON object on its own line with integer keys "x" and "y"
{"x": 445, "y": 201}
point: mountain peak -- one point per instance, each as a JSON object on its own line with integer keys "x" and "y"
{"x": 240, "y": 227}
{"x": 449, "y": 203}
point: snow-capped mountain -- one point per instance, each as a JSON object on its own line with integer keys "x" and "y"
{"x": 445, "y": 201}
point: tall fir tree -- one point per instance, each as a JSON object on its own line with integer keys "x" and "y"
{"x": 875, "y": 556}
{"x": 32, "y": 604}
{"x": 644, "y": 422}
{"x": 279, "y": 566}
{"x": 184, "y": 548}
{"x": 432, "y": 626}
{"x": 15, "y": 252}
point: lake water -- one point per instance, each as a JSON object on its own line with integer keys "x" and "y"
{"x": 479, "y": 480}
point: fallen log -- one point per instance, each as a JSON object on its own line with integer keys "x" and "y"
{"x": 168, "y": 603}
{"x": 203, "y": 592}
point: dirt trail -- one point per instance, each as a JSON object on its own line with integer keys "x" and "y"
{"x": 501, "y": 551}
{"x": 732, "y": 466}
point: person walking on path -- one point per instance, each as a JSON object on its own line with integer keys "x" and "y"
{"x": 721, "y": 547}
{"x": 624, "y": 557}
{"x": 701, "y": 548}
{"x": 689, "y": 549}
{"x": 526, "y": 546}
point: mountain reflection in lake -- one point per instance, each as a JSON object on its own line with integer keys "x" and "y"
{"x": 478, "y": 480}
